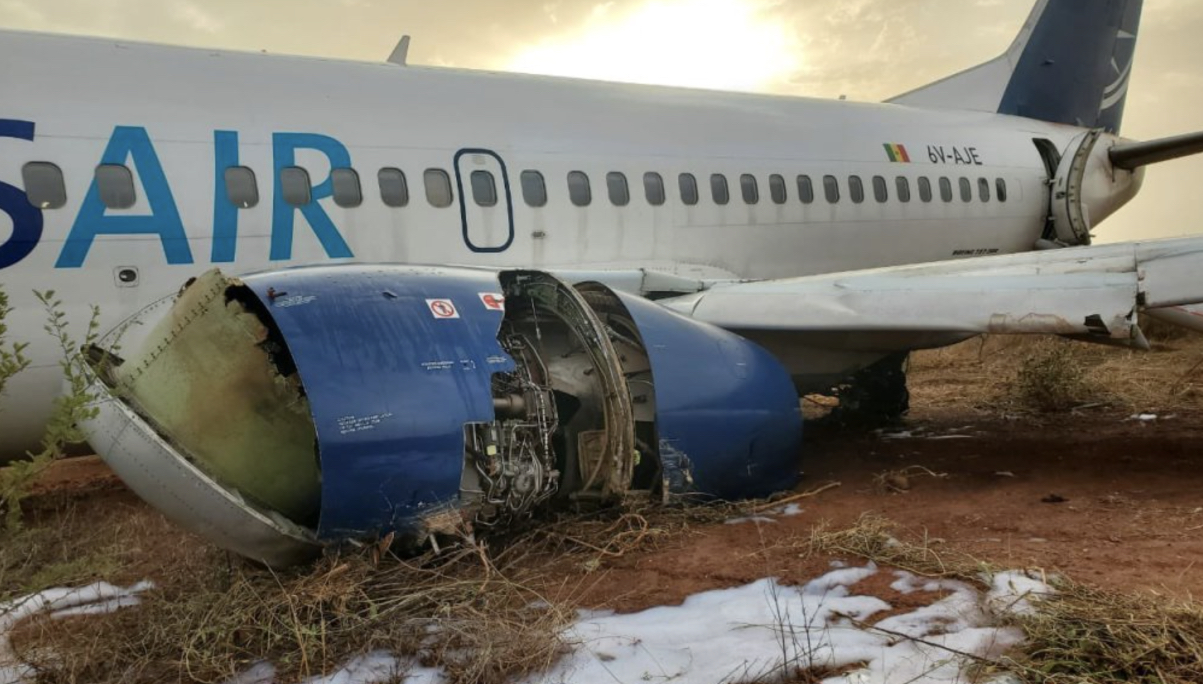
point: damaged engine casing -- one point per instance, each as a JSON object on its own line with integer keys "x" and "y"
{"x": 286, "y": 411}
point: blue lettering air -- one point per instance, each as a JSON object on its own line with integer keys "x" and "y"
{"x": 129, "y": 143}
{"x": 26, "y": 219}
{"x": 225, "y": 214}
{"x": 132, "y": 146}
{"x": 285, "y": 146}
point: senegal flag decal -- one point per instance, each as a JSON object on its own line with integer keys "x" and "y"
{"x": 897, "y": 153}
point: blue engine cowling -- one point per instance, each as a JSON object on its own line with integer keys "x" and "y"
{"x": 444, "y": 400}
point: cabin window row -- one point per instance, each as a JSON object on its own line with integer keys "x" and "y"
{"x": 581, "y": 194}
{"x": 46, "y": 189}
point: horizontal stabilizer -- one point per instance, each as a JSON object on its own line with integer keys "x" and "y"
{"x": 1132, "y": 156}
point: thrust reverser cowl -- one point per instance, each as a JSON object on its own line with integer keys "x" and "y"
{"x": 294, "y": 409}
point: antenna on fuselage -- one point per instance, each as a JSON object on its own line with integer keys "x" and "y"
{"x": 400, "y": 53}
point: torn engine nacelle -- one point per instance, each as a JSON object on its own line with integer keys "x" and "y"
{"x": 288, "y": 410}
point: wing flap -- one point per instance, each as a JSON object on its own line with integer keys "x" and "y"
{"x": 1093, "y": 292}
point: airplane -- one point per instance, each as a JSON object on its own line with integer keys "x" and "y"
{"x": 576, "y": 289}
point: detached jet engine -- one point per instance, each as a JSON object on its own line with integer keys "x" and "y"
{"x": 287, "y": 411}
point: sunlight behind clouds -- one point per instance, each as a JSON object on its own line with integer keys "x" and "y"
{"x": 723, "y": 44}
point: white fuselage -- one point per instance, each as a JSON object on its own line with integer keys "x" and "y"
{"x": 193, "y": 113}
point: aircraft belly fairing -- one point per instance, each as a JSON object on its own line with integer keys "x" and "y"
{"x": 291, "y": 410}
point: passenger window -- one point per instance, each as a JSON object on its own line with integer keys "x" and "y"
{"x": 751, "y": 191}
{"x": 903, "y": 185}
{"x": 484, "y": 188}
{"x": 925, "y": 189}
{"x": 880, "y": 192}
{"x": 689, "y": 189}
{"x": 116, "y": 185}
{"x": 653, "y": 188}
{"x": 945, "y": 189}
{"x": 983, "y": 189}
{"x": 831, "y": 187}
{"x": 718, "y": 189}
{"x": 534, "y": 189}
{"x": 777, "y": 189}
{"x": 394, "y": 190}
{"x": 1001, "y": 186}
{"x": 806, "y": 190}
{"x": 295, "y": 186}
{"x": 856, "y": 189}
{"x": 438, "y": 188}
{"x": 966, "y": 190}
{"x": 44, "y": 185}
{"x": 241, "y": 189}
{"x": 616, "y": 184}
{"x": 348, "y": 193}
{"x": 578, "y": 189}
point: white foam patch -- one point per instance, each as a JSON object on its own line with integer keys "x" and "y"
{"x": 1014, "y": 592}
{"x": 751, "y": 519}
{"x": 764, "y": 630}
{"x": 94, "y": 599}
{"x": 379, "y": 667}
{"x": 909, "y": 583}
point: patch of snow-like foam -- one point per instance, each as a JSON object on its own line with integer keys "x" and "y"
{"x": 836, "y": 582}
{"x": 749, "y": 632}
{"x": 94, "y": 599}
{"x": 791, "y": 510}
{"x": 376, "y": 667}
{"x": 909, "y": 583}
{"x": 1013, "y": 592}
{"x": 723, "y": 635}
{"x": 750, "y": 518}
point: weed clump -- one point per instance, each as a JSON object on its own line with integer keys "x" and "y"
{"x": 1052, "y": 378}
{"x": 71, "y": 407}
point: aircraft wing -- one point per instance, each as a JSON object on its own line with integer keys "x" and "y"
{"x": 1091, "y": 292}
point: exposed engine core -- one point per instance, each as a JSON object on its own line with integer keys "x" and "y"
{"x": 291, "y": 410}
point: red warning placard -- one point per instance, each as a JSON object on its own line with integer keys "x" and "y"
{"x": 493, "y": 301}
{"x": 442, "y": 308}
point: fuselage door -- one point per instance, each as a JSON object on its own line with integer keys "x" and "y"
{"x": 485, "y": 202}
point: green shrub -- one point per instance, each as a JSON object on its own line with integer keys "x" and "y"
{"x": 70, "y": 408}
{"x": 1052, "y": 378}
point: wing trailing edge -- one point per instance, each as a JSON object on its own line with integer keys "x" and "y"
{"x": 1093, "y": 293}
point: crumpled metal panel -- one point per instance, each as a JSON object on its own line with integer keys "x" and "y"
{"x": 725, "y": 408}
{"x": 176, "y": 487}
{"x": 394, "y": 360}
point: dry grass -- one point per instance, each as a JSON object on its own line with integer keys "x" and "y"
{"x": 484, "y": 614}
{"x": 985, "y": 374}
{"x": 1078, "y": 635}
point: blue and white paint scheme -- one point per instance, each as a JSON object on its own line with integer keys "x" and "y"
{"x": 827, "y": 235}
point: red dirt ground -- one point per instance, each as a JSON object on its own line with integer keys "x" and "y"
{"x": 1132, "y": 518}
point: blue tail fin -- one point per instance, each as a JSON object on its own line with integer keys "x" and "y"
{"x": 1070, "y": 64}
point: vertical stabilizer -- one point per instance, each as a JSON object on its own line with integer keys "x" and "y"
{"x": 1070, "y": 64}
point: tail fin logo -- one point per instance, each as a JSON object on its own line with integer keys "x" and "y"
{"x": 1115, "y": 93}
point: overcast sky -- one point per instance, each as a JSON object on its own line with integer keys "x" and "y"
{"x": 865, "y": 49}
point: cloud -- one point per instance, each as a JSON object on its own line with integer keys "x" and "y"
{"x": 191, "y": 14}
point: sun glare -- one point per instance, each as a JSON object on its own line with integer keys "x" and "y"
{"x": 722, "y": 44}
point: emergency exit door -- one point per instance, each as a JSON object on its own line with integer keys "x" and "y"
{"x": 485, "y": 202}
